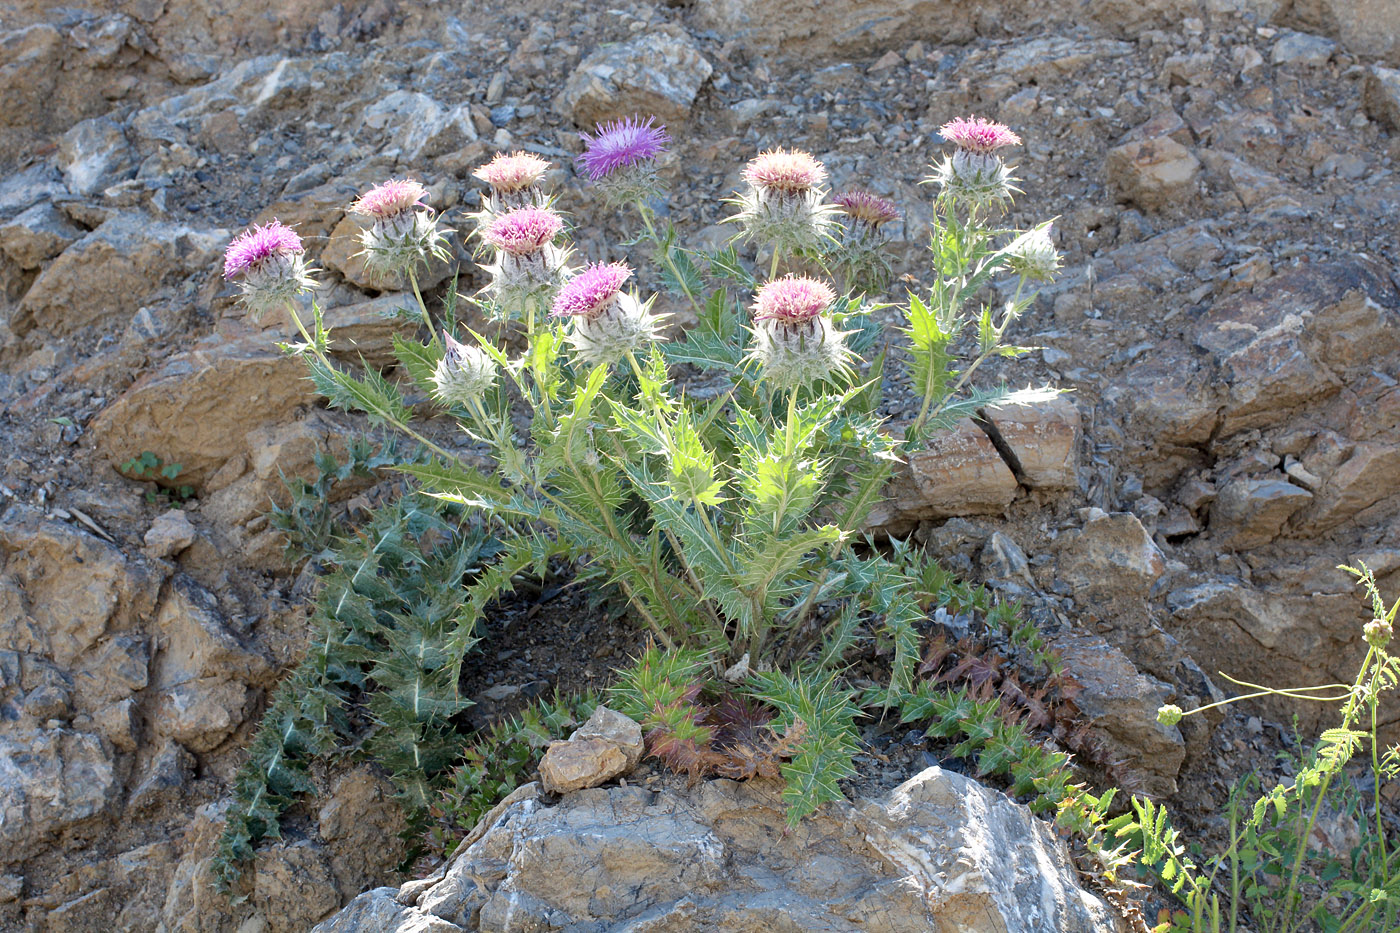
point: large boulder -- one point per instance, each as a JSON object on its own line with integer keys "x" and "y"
{"x": 938, "y": 852}
{"x": 197, "y": 409}
{"x": 102, "y": 279}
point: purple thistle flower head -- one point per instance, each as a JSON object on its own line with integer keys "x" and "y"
{"x": 390, "y": 199}
{"x": 590, "y": 292}
{"x": 524, "y": 230}
{"x": 507, "y": 174}
{"x": 792, "y": 300}
{"x": 259, "y": 244}
{"x": 620, "y": 144}
{"x": 978, "y": 135}
{"x": 866, "y": 208}
{"x": 786, "y": 172}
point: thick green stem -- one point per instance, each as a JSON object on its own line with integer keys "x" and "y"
{"x": 666, "y": 257}
{"x": 423, "y": 307}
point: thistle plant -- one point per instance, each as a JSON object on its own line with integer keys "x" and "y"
{"x": 728, "y": 522}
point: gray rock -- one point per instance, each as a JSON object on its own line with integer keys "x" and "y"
{"x": 1120, "y": 704}
{"x": 1249, "y": 512}
{"x": 1301, "y": 48}
{"x": 939, "y": 851}
{"x": 37, "y": 235}
{"x": 378, "y": 911}
{"x": 50, "y": 779}
{"x": 1047, "y": 59}
{"x": 658, "y": 73}
{"x": 616, "y": 729}
{"x": 94, "y": 155}
{"x": 420, "y": 126}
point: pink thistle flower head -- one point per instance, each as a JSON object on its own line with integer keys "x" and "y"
{"x": 866, "y": 208}
{"x": 590, "y": 292}
{"x": 621, "y": 144}
{"x": 792, "y": 300}
{"x": 389, "y": 200}
{"x": 507, "y": 174}
{"x": 978, "y": 135}
{"x": 255, "y": 246}
{"x": 524, "y": 230}
{"x": 786, "y": 172}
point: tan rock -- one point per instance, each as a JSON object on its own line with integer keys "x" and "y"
{"x": 197, "y": 409}
{"x": 102, "y": 279}
{"x": 293, "y": 886}
{"x": 1153, "y": 173}
{"x": 1381, "y": 95}
{"x": 1370, "y": 475}
{"x": 1365, "y": 27}
{"x": 1269, "y": 637}
{"x": 366, "y": 330}
{"x": 1043, "y": 437}
{"x": 959, "y": 472}
{"x": 169, "y": 534}
{"x": 579, "y": 763}
{"x": 1111, "y": 555}
{"x": 70, "y": 589}
{"x": 1282, "y": 345}
{"x": 343, "y": 254}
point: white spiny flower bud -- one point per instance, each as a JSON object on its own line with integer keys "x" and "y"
{"x": 464, "y": 374}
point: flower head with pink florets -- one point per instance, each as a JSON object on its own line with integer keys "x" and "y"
{"x": 620, "y": 157}
{"x": 784, "y": 205}
{"x": 528, "y": 265}
{"x": 269, "y": 263}
{"x": 792, "y": 300}
{"x": 978, "y": 135}
{"x": 606, "y": 323}
{"x": 861, "y": 258}
{"x": 618, "y": 145}
{"x": 403, "y": 233}
{"x": 390, "y": 199}
{"x": 796, "y": 341}
{"x": 514, "y": 179}
{"x": 975, "y": 173}
{"x": 524, "y": 230}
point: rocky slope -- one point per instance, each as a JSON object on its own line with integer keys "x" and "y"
{"x": 1224, "y": 176}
